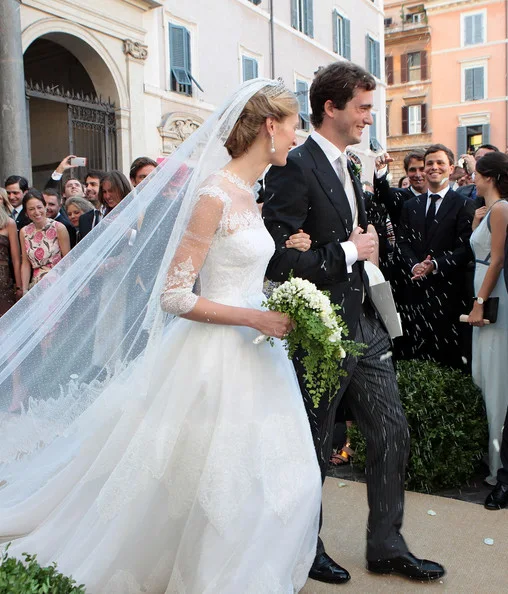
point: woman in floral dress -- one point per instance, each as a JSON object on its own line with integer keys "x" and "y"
{"x": 44, "y": 242}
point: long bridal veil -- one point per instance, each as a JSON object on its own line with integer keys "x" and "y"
{"x": 98, "y": 311}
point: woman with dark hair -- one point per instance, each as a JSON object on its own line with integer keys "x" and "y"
{"x": 113, "y": 188}
{"x": 490, "y": 342}
{"x": 44, "y": 242}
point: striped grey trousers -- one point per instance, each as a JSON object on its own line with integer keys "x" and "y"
{"x": 370, "y": 392}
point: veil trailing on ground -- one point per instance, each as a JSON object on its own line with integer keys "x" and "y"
{"x": 98, "y": 311}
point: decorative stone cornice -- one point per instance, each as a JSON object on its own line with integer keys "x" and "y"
{"x": 135, "y": 49}
{"x": 175, "y": 127}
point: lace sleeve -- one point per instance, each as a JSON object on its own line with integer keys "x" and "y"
{"x": 177, "y": 297}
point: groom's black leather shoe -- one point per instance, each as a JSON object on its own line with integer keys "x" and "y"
{"x": 498, "y": 498}
{"x": 324, "y": 569}
{"x": 408, "y": 566}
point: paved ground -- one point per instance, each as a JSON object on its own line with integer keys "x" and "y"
{"x": 454, "y": 536}
{"x": 474, "y": 492}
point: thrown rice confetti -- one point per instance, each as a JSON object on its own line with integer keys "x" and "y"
{"x": 488, "y": 541}
{"x": 431, "y": 512}
{"x": 342, "y": 485}
{"x": 387, "y": 355}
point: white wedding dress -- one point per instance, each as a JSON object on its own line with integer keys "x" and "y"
{"x": 200, "y": 478}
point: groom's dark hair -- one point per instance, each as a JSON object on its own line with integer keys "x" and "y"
{"x": 337, "y": 82}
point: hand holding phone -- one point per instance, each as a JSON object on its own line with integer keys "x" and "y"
{"x": 78, "y": 161}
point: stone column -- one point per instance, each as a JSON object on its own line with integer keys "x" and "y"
{"x": 14, "y": 151}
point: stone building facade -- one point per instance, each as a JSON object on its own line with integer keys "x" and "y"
{"x": 115, "y": 79}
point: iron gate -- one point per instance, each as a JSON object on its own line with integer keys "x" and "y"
{"x": 91, "y": 124}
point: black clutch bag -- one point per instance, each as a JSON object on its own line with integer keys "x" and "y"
{"x": 490, "y": 308}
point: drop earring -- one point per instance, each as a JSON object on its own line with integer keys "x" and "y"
{"x": 272, "y": 150}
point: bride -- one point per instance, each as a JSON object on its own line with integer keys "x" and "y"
{"x": 186, "y": 464}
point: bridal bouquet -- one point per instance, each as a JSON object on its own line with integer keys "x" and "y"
{"x": 318, "y": 332}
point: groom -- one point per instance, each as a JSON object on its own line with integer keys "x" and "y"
{"x": 317, "y": 192}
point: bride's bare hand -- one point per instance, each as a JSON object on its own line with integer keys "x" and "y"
{"x": 274, "y": 323}
{"x": 299, "y": 241}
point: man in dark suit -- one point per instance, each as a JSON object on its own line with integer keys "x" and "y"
{"x": 317, "y": 192}
{"x": 16, "y": 187}
{"x": 394, "y": 198}
{"x": 433, "y": 245}
{"x": 55, "y": 211}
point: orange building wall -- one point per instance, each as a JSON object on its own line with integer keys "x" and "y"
{"x": 447, "y": 60}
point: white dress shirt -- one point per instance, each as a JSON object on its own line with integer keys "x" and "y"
{"x": 333, "y": 154}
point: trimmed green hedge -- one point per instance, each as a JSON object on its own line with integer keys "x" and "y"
{"x": 28, "y": 577}
{"x": 448, "y": 426}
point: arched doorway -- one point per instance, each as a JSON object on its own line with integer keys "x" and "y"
{"x": 68, "y": 114}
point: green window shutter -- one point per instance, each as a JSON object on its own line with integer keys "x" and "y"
{"x": 478, "y": 83}
{"x": 308, "y": 12}
{"x": 469, "y": 40}
{"x": 336, "y": 32}
{"x": 178, "y": 47}
{"x": 373, "y": 127}
{"x": 368, "y": 56}
{"x": 377, "y": 59}
{"x": 485, "y": 133}
{"x": 302, "y": 94}
{"x": 478, "y": 28}
{"x": 347, "y": 39}
{"x": 461, "y": 140}
{"x": 469, "y": 84}
{"x": 294, "y": 14}
{"x": 249, "y": 68}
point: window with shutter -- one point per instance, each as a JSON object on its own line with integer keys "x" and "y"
{"x": 474, "y": 29}
{"x": 302, "y": 16}
{"x": 180, "y": 60}
{"x": 414, "y": 66}
{"x": 414, "y": 119}
{"x": 474, "y": 83}
{"x": 302, "y": 94}
{"x": 249, "y": 68}
{"x": 341, "y": 35}
{"x": 372, "y": 49}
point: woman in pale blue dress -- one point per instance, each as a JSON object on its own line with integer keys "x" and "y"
{"x": 490, "y": 341}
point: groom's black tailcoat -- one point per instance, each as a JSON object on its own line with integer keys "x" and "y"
{"x": 307, "y": 194}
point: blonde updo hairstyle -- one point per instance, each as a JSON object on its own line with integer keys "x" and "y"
{"x": 259, "y": 107}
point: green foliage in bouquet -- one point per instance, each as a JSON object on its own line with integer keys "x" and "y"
{"x": 317, "y": 334}
{"x": 447, "y": 422}
{"x": 28, "y": 577}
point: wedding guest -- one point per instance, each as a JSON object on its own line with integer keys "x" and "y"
{"x": 490, "y": 342}
{"x": 140, "y": 169}
{"x": 10, "y": 263}
{"x": 56, "y": 211}
{"x": 5, "y": 203}
{"x": 113, "y": 188}
{"x": 498, "y": 498}
{"x": 44, "y": 242}
{"x": 16, "y": 187}
{"x": 75, "y": 207}
{"x": 92, "y": 184}
{"x": 404, "y": 182}
{"x": 433, "y": 248}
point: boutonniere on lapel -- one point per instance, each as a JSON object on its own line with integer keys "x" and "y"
{"x": 356, "y": 164}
